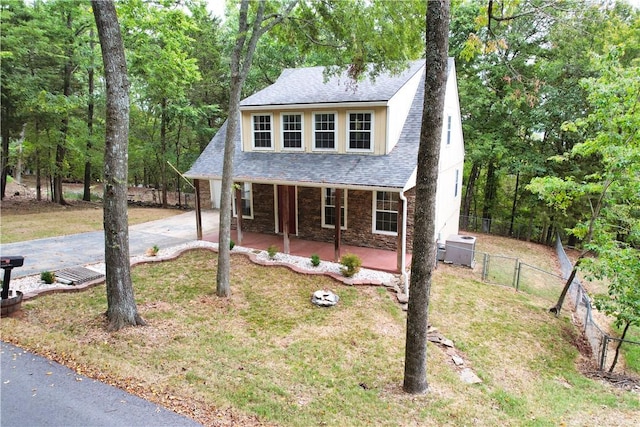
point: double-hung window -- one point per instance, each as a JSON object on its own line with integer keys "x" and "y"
{"x": 262, "y": 131}
{"x": 329, "y": 208}
{"x": 360, "y": 133}
{"x": 448, "y": 130}
{"x": 324, "y": 131}
{"x": 386, "y": 212}
{"x": 247, "y": 201}
{"x": 292, "y": 131}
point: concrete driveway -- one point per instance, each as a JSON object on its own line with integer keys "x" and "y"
{"x": 38, "y": 392}
{"x": 75, "y": 250}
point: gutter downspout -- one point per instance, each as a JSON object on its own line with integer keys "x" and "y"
{"x": 403, "y": 255}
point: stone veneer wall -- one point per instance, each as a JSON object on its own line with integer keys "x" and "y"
{"x": 263, "y": 211}
{"x": 205, "y": 194}
{"x": 359, "y": 217}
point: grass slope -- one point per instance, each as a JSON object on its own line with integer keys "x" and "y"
{"x": 266, "y": 355}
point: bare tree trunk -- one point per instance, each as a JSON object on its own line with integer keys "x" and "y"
{"x": 468, "y": 194}
{"x": 86, "y": 196}
{"x": 490, "y": 187}
{"x": 61, "y": 148}
{"x": 163, "y": 151}
{"x": 424, "y": 243}
{"x": 241, "y": 59}
{"x": 594, "y": 216}
{"x": 615, "y": 358}
{"x": 514, "y": 204}
{"x": 122, "y": 309}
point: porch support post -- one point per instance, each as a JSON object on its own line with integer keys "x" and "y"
{"x": 196, "y": 184}
{"x": 239, "y": 211}
{"x": 285, "y": 219}
{"x": 399, "y": 245}
{"x": 338, "y": 225}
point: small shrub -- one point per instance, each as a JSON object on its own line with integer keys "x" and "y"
{"x": 47, "y": 277}
{"x": 272, "y": 251}
{"x": 152, "y": 251}
{"x": 315, "y": 260}
{"x": 351, "y": 264}
{"x": 231, "y": 244}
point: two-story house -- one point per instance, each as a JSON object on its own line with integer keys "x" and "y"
{"x": 309, "y": 147}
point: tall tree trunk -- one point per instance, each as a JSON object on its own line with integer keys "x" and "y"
{"x": 615, "y": 358}
{"x": 490, "y": 187}
{"x": 468, "y": 194}
{"x": 86, "y": 196}
{"x": 7, "y": 111}
{"x": 163, "y": 151}
{"x": 241, "y": 59}
{"x": 61, "y": 148}
{"x": 424, "y": 242}
{"x": 594, "y": 216}
{"x": 122, "y": 309}
{"x": 514, "y": 204}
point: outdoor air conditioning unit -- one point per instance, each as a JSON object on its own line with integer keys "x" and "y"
{"x": 460, "y": 250}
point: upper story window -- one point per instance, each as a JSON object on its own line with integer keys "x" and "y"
{"x": 385, "y": 211}
{"x": 262, "y": 131}
{"x": 324, "y": 131}
{"x": 360, "y": 131}
{"x": 292, "y": 131}
{"x": 329, "y": 208}
{"x": 448, "y": 130}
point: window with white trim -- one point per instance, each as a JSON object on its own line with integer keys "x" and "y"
{"x": 324, "y": 131}
{"x": 329, "y": 208}
{"x": 292, "y": 131}
{"x": 386, "y": 212}
{"x": 360, "y": 133}
{"x": 262, "y": 131}
{"x": 247, "y": 201}
{"x": 448, "y": 130}
{"x": 455, "y": 191}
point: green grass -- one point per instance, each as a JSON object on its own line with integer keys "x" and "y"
{"x": 267, "y": 352}
{"x": 630, "y": 352}
{"x": 42, "y": 220}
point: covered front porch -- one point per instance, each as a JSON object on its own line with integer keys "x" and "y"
{"x": 375, "y": 259}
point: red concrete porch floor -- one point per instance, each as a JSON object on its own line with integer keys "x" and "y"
{"x": 374, "y": 259}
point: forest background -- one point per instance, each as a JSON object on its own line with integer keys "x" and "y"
{"x": 524, "y": 80}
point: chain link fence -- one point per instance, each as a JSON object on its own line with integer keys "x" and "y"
{"x": 511, "y": 272}
{"x": 602, "y": 344}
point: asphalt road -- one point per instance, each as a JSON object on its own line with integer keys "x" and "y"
{"x": 38, "y": 392}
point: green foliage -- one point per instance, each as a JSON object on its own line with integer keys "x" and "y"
{"x": 315, "y": 260}
{"x": 272, "y": 251}
{"x": 231, "y": 244}
{"x": 351, "y": 264}
{"x": 48, "y": 277}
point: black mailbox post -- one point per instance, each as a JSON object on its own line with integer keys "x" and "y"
{"x": 7, "y": 263}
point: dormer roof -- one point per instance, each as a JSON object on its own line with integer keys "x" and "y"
{"x": 299, "y": 86}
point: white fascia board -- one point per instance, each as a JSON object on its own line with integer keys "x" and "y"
{"x": 411, "y": 182}
{"x": 207, "y": 177}
{"x": 318, "y": 184}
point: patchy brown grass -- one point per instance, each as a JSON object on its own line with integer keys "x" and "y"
{"x": 267, "y": 356}
{"x": 26, "y": 220}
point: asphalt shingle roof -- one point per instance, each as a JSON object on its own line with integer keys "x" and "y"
{"x": 308, "y": 85}
{"x": 388, "y": 171}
